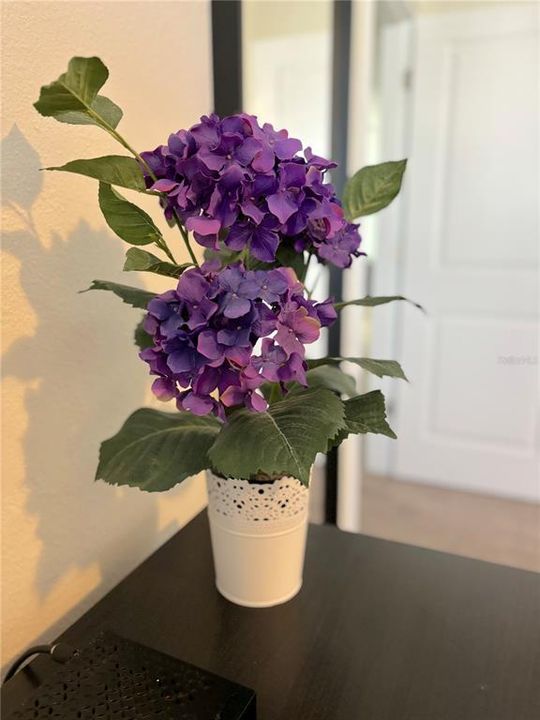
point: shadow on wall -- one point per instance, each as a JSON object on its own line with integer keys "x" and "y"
{"x": 82, "y": 377}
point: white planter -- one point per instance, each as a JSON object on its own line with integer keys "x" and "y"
{"x": 258, "y": 538}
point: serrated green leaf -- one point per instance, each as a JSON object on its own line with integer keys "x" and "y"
{"x": 141, "y": 338}
{"x": 381, "y": 368}
{"x": 143, "y": 261}
{"x": 284, "y": 440}
{"x": 136, "y": 297}
{"x": 127, "y": 220}
{"x": 155, "y": 451}
{"x": 330, "y": 377}
{"x": 325, "y": 376}
{"x": 73, "y": 97}
{"x": 109, "y": 169}
{"x": 373, "y": 301}
{"x": 372, "y": 188}
{"x": 364, "y": 414}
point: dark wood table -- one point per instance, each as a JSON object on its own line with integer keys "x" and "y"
{"x": 380, "y": 631}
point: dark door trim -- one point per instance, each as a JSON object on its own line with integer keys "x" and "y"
{"x": 227, "y": 56}
{"x": 340, "y": 133}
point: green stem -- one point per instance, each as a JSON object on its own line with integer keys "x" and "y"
{"x": 275, "y": 393}
{"x": 162, "y": 245}
{"x": 143, "y": 162}
{"x": 244, "y": 257}
{"x": 186, "y": 239}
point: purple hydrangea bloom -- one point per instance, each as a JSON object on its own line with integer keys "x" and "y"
{"x": 232, "y": 181}
{"x": 340, "y": 249}
{"x": 222, "y": 333}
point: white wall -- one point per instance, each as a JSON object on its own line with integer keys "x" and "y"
{"x": 71, "y": 372}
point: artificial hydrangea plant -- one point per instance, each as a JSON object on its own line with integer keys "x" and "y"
{"x": 227, "y": 342}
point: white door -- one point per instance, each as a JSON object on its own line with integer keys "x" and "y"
{"x": 469, "y": 239}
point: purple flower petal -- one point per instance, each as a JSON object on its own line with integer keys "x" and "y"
{"x": 239, "y": 236}
{"x": 203, "y": 225}
{"x": 292, "y": 174}
{"x": 282, "y": 205}
{"x": 208, "y": 241}
{"x": 286, "y": 149}
{"x": 208, "y": 346}
{"x": 159, "y": 308}
{"x": 245, "y": 153}
{"x": 231, "y": 177}
{"x": 232, "y": 396}
{"x": 164, "y": 185}
{"x": 264, "y": 185}
{"x": 326, "y": 312}
{"x": 264, "y": 160}
{"x": 198, "y": 404}
{"x": 256, "y": 402}
{"x": 252, "y": 211}
{"x": 164, "y": 389}
{"x": 207, "y": 381}
{"x": 184, "y": 360}
{"x": 264, "y": 244}
{"x": 212, "y": 160}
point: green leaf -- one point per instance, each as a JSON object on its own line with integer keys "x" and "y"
{"x": 372, "y": 188}
{"x": 381, "y": 368}
{"x": 330, "y": 377}
{"x": 136, "y": 297}
{"x": 105, "y": 108}
{"x": 127, "y": 220}
{"x": 364, "y": 414}
{"x": 281, "y": 441}
{"x": 73, "y": 97}
{"x": 141, "y": 338}
{"x": 287, "y": 256}
{"x": 325, "y": 376}
{"x": 110, "y": 169}
{"x": 143, "y": 261}
{"x": 224, "y": 255}
{"x": 75, "y": 89}
{"x": 370, "y": 301}
{"x": 154, "y": 450}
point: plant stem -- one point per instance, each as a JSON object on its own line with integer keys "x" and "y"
{"x": 162, "y": 245}
{"x": 135, "y": 154}
{"x": 244, "y": 257}
{"x": 275, "y": 393}
{"x": 186, "y": 238}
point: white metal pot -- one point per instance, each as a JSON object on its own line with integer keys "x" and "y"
{"x": 258, "y": 538}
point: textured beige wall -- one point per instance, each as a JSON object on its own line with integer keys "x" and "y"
{"x": 279, "y": 18}
{"x": 71, "y": 373}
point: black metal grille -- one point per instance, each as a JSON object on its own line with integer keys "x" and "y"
{"x": 116, "y": 679}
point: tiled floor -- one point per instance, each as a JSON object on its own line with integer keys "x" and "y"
{"x": 494, "y": 529}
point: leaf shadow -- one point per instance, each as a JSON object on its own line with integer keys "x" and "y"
{"x": 81, "y": 376}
